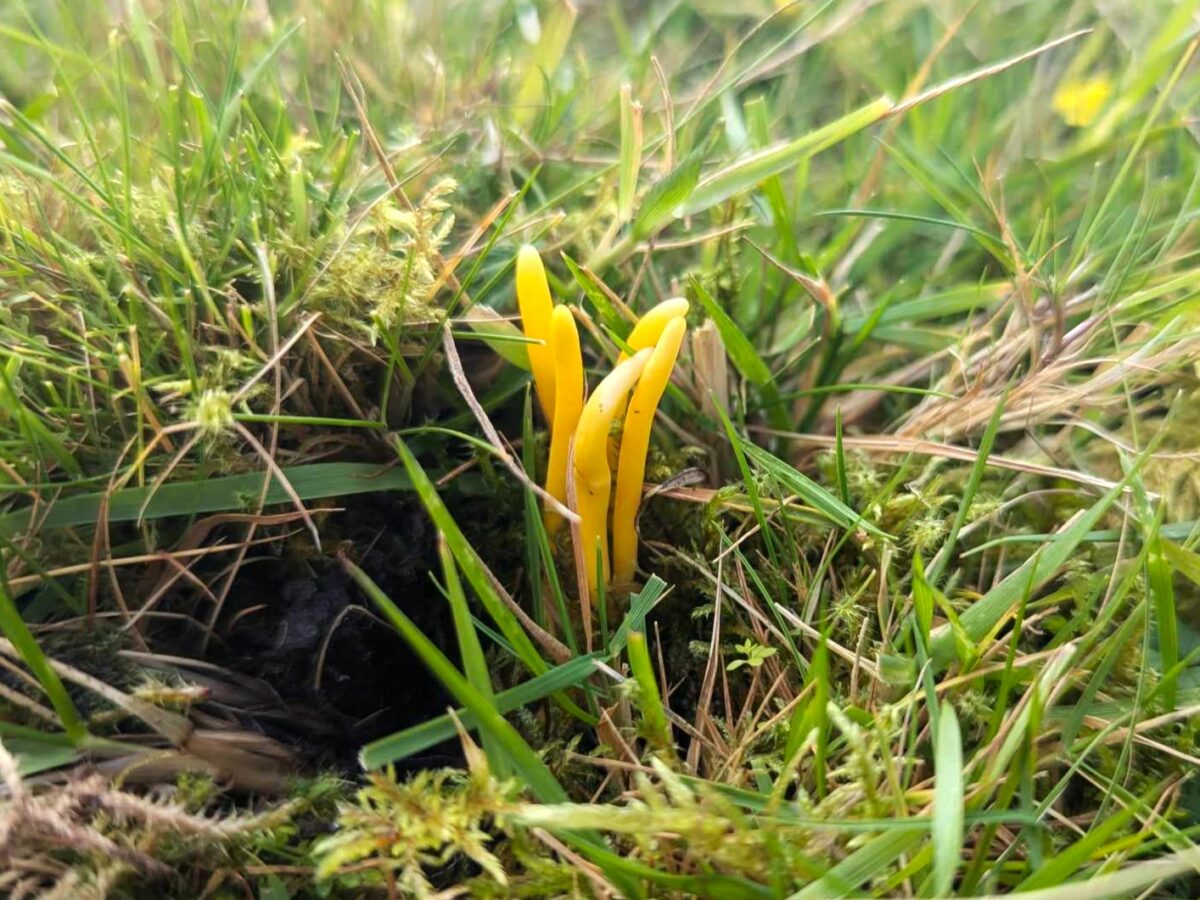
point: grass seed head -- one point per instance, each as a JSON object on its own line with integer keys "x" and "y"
{"x": 212, "y": 412}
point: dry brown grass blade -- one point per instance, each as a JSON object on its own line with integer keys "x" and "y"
{"x": 710, "y": 371}
{"x": 816, "y": 288}
{"x": 195, "y": 538}
{"x": 467, "y": 247}
{"x": 335, "y": 377}
{"x": 557, "y": 650}
{"x": 709, "y": 680}
{"x": 454, "y": 362}
{"x": 281, "y": 477}
{"x": 31, "y": 706}
{"x": 900, "y": 445}
{"x": 358, "y": 98}
{"x": 130, "y": 367}
{"x": 694, "y": 240}
{"x": 171, "y": 726}
{"x": 27, "y": 581}
{"x": 268, "y": 282}
{"x": 200, "y": 531}
{"x": 280, "y": 352}
{"x": 618, "y": 304}
{"x": 244, "y": 760}
{"x": 1044, "y": 394}
{"x": 591, "y": 872}
{"x": 954, "y": 84}
{"x": 766, "y": 621}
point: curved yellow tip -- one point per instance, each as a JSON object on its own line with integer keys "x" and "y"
{"x": 533, "y": 300}
{"x": 650, "y": 326}
{"x": 593, "y": 478}
{"x": 568, "y": 403}
{"x": 635, "y": 444}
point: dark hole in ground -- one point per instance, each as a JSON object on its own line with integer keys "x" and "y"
{"x": 344, "y": 676}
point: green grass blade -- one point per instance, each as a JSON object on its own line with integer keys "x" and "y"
{"x": 640, "y": 605}
{"x": 667, "y": 195}
{"x": 649, "y": 700}
{"x": 745, "y": 174}
{"x": 740, "y": 447}
{"x": 1159, "y": 574}
{"x": 796, "y": 482}
{"x": 230, "y": 492}
{"x": 34, "y": 756}
{"x": 412, "y": 741}
{"x": 945, "y": 304}
{"x": 988, "y": 611}
{"x": 22, "y": 639}
{"x": 990, "y": 239}
{"x": 839, "y": 459}
{"x": 948, "y": 801}
{"x": 593, "y": 290}
{"x": 737, "y": 345}
{"x": 500, "y": 334}
{"x": 522, "y": 757}
{"x": 745, "y": 358}
{"x": 922, "y": 598}
{"x": 469, "y": 562}
{"x": 861, "y": 866}
{"x": 1059, "y": 867}
{"x": 470, "y": 650}
{"x": 813, "y": 715}
{"x": 938, "y": 566}
{"x": 1127, "y": 882}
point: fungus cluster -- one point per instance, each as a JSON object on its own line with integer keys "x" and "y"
{"x": 580, "y": 432}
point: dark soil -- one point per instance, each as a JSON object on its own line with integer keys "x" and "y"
{"x": 342, "y": 676}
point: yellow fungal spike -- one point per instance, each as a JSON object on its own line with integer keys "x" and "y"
{"x": 593, "y": 478}
{"x": 533, "y": 300}
{"x": 648, "y": 328}
{"x": 1080, "y": 102}
{"x": 635, "y": 444}
{"x": 568, "y": 403}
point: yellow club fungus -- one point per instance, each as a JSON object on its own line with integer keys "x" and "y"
{"x": 1080, "y": 102}
{"x": 533, "y": 300}
{"x": 593, "y": 477}
{"x": 648, "y": 328}
{"x": 635, "y": 444}
{"x": 568, "y": 403}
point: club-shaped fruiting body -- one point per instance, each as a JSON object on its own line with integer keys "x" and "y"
{"x": 635, "y": 444}
{"x": 537, "y": 308}
{"x": 568, "y": 404}
{"x": 650, "y": 326}
{"x": 593, "y": 477}
{"x": 557, "y": 364}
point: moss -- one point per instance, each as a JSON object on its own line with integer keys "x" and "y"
{"x": 379, "y": 274}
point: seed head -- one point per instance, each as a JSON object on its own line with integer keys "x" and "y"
{"x": 213, "y": 411}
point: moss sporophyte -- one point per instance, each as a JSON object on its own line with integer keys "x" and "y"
{"x": 580, "y": 432}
